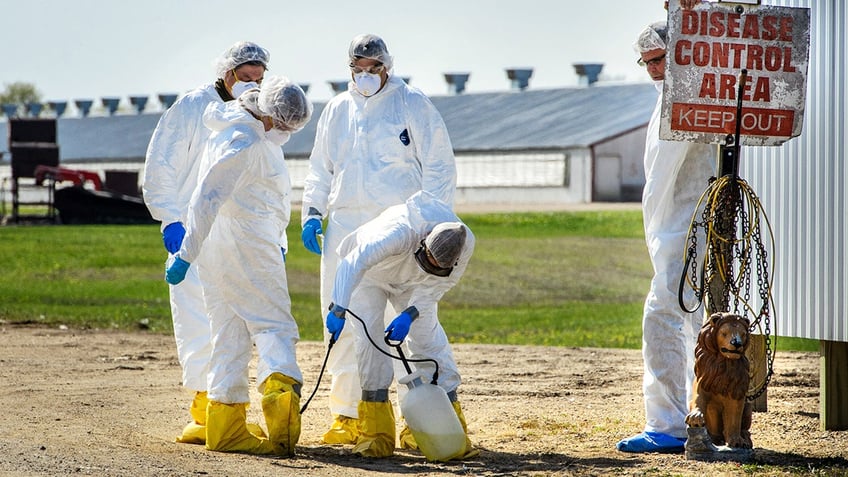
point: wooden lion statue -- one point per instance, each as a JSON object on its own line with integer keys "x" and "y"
{"x": 721, "y": 381}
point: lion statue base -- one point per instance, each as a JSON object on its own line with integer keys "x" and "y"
{"x": 722, "y": 377}
{"x": 700, "y": 447}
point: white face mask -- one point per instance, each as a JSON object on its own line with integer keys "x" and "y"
{"x": 367, "y": 83}
{"x": 277, "y": 137}
{"x": 240, "y": 87}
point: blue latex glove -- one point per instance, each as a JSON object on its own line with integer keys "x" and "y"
{"x": 311, "y": 230}
{"x": 172, "y": 236}
{"x": 335, "y": 322}
{"x": 399, "y": 327}
{"x": 177, "y": 271}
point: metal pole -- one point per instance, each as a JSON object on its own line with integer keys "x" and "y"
{"x": 720, "y": 260}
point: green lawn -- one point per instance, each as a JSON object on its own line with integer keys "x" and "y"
{"x": 558, "y": 279}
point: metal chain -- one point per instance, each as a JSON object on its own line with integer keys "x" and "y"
{"x": 763, "y": 285}
{"x": 742, "y": 242}
{"x": 744, "y": 257}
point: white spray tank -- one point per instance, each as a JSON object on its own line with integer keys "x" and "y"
{"x": 432, "y": 419}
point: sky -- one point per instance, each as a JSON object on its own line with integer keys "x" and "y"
{"x": 90, "y": 49}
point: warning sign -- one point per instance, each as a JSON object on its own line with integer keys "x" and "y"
{"x": 708, "y": 48}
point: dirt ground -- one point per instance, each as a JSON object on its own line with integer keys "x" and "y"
{"x": 108, "y": 403}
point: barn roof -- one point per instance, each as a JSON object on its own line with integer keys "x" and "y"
{"x": 510, "y": 120}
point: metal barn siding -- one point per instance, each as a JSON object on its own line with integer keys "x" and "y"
{"x": 802, "y": 188}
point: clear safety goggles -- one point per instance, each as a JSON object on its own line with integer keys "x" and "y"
{"x": 247, "y": 80}
{"x": 652, "y": 62}
{"x": 373, "y": 69}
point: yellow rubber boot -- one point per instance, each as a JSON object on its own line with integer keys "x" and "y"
{"x": 195, "y": 432}
{"x": 377, "y": 429}
{"x": 281, "y": 406}
{"x": 226, "y": 430}
{"x": 470, "y": 451}
{"x": 345, "y": 430}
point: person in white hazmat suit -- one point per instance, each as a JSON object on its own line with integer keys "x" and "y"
{"x": 376, "y": 144}
{"x": 170, "y": 175}
{"x": 676, "y": 173}
{"x": 409, "y": 256}
{"x": 237, "y": 216}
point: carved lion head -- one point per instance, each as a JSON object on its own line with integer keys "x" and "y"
{"x": 725, "y": 334}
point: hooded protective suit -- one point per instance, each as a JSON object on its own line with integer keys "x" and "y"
{"x": 378, "y": 266}
{"x": 370, "y": 153}
{"x": 170, "y": 176}
{"x": 676, "y": 173}
{"x": 237, "y": 215}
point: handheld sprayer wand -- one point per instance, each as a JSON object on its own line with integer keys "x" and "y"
{"x": 400, "y": 353}
{"x": 400, "y": 357}
{"x": 320, "y": 375}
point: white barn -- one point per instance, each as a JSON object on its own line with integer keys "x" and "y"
{"x": 562, "y": 145}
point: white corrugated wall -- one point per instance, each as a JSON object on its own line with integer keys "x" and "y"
{"x": 802, "y": 188}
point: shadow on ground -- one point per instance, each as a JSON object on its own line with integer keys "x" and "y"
{"x": 488, "y": 463}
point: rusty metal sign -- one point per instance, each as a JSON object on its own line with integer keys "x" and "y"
{"x": 708, "y": 48}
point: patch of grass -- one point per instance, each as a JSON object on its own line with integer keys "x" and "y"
{"x": 84, "y": 277}
{"x": 556, "y": 278}
{"x": 616, "y": 224}
{"x": 785, "y": 343}
{"x": 570, "y": 324}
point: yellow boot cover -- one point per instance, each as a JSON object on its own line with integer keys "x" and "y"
{"x": 345, "y": 430}
{"x": 253, "y": 427}
{"x": 377, "y": 429}
{"x": 226, "y": 430}
{"x": 407, "y": 440}
{"x": 470, "y": 451}
{"x": 256, "y": 429}
{"x": 198, "y": 407}
{"x": 195, "y": 432}
{"x": 281, "y": 406}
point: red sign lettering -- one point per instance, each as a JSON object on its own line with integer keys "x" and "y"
{"x": 732, "y": 25}
{"x": 753, "y": 57}
{"x": 708, "y": 118}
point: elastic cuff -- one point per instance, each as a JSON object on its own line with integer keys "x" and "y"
{"x": 379, "y": 395}
{"x": 412, "y": 312}
{"x": 311, "y": 213}
{"x": 337, "y": 310}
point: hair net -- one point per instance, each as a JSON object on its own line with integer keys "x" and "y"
{"x": 653, "y": 37}
{"x": 372, "y": 47}
{"x": 445, "y": 243}
{"x": 239, "y": 54}
{"x": 285, "y": 102}
{"x": 249, "y": 100}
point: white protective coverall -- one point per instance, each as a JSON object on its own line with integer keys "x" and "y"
{"x": 171, "y": 173}
{"x": 378, "y": 266}
{"x": 370, "y": 153}
{"x": 676, "y": 174}
{"x": 238, "y": 216}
